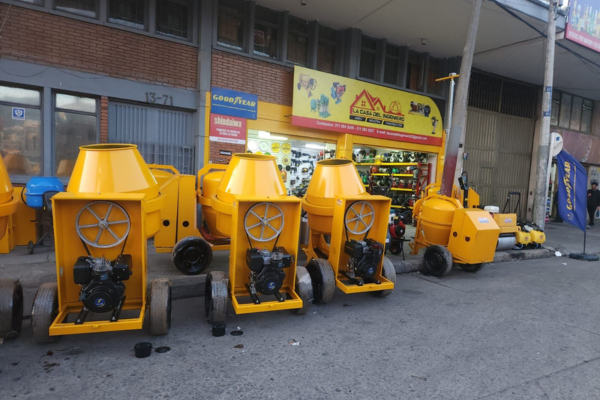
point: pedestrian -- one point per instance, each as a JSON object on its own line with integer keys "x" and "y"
{"x": 593, "y": 202}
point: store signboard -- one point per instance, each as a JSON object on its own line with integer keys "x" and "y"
{"x": 233, "y": 103}
{"x": 583, "y": 26}
{"x": 335, "y": 103}
{"x": 227, "y": 129}
{"x": 585, "y": 148}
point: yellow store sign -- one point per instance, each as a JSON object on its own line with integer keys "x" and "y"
{"x": 335, "y": 103}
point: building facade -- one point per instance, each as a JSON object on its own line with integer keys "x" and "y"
{"x": 75, "y": 72}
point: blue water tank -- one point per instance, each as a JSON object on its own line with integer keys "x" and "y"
{"x": 37, "y": 186}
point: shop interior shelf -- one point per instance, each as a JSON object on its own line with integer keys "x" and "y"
{"x": 409, "y": 175}
{"x": 402, "y": 189}
{"x": 378, "y": 163}
{"x": 401, "y": 207}
{"x": 380, "y": 174}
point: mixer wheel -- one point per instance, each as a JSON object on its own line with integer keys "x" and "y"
{"x": 472, "y": 267}
{"x": 44, "y": 312}
{"x": 323, "y": 280}
{"x": 304, "y": 289}
{"x": 389, "y": 272}
{"x": 191, "y": 255}
{"x": 216, "y": 296}
{"x": 11, "y": 308}
{"x": 437, "y": 261}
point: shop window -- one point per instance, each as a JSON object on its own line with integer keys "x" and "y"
{"x": 297, "y": 46}
{"x": 392, "y": 64}
{"x": 131, "y": 13}
{"x": 434, "y": 71}
{"x": 266, "y": 29}
{"x": 230, "y": 23}
{"x": 586, "y": 116}
{"x": 368, "y": 57}
{"x": 413, "y": 70}
{"x": 326, "y": 51}
{"x": 576, "y": 107}
{"x": 565, "y": 110}
{"x": 75, "y": 125}
{"x": 20, "y": 130}
{"x": 85, "y": 8}
{"x": 296, "y": 157}
{"x": 173, "y": 18}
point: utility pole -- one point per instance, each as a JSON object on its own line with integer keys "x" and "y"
{"x": 541, "y": 187}
{"x": 459, "y": 114}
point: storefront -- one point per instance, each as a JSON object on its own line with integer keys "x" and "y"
{"x": 396, "y": 138}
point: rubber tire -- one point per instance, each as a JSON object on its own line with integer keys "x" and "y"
{"x": 389, "y": 272}
{"x": 216, "y": 296}
{"x": 30, "y": 247}
{"x": 437, "y": 261}
{"x": 304, "y": 289}
{"x": 44, "y": 312}
{"x": 11, "y": 308}
{"x": 160, "y": 306}
{"x": 472, "y": 268}
{"x": 191, "y": 255}
{"x": 322, "y": 279}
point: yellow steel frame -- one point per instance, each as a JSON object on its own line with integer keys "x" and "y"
{"x": 336, "y": 255}
{"x": 69, "y": 247}
{"x": 238, "y": 270}
{"x": 24, "y": 220}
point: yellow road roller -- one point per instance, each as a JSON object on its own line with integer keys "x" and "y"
{"x": 11, "y": 291}
{"x": 252, "y": 208}
{"x": 347, "y": 232}
{"x": 101, "y": 225}
{"x": 453, "y": 233}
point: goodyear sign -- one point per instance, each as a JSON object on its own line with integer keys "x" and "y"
{"x": 572, "y": 190}
{"x": 233, "y": 103}
{"x": 335, "y": 103}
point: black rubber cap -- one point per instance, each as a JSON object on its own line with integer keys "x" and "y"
{"x": 218, "y": 330}
{"x": 142, "y": 349}
{"x": 237, "y": 333}
{"x": 162, "y": 349}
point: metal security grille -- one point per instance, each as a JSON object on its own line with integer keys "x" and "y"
{"x": 499, "y": 155}
{"x": 163, "y": 136}
{"x": 492, "y": 93}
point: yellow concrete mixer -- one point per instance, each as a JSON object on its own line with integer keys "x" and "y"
{"x": 101, "y": 225}
{"x": 250, "y": 205}
{"x": 347, "y": 232}
{"x": 453, "y": 233}
{"x": 11, "y": 291}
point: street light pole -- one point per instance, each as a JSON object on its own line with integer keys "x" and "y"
{"x": 541, "y": 188}
{"x": 459, "y": 114}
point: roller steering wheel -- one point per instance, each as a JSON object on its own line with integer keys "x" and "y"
{"x": 256, "y": 217}
{"x": 364, "y": 217}
{"x": 115, "y": 215}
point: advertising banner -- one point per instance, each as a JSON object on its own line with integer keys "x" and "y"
{"x": 585, "y": 148}
{"x": 572, "y": 190}
{"x": 226, "y": 129}
{"x": 233, "y": 103}
{"x": 583, "y": 25}
{"x": 334, "y": 103}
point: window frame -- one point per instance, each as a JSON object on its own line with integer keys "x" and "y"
{"x": 97, "y": 10}
{"x": 191, "y": 21}
{"x": 372, "y": 52}
{"x": 281, "y": 35}
{"x": 305, "y": 35}
{"x": 146, "y": 17}
{"x": 557, "y": 97}
{"x": 329, "y": 42}
{"x": 25, "y": 178}
{"x": 102, "y": 19}
{"x": 245, "y": 23}
{"x": 55, "y": 109}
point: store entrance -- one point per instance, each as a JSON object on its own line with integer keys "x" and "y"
{"x": 296, "y": 156}
{"x": 398, "y": 174}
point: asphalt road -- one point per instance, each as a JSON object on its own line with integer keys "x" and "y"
{"x": 519, "y": 330}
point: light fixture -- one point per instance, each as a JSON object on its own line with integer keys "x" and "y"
{"x": 267, "y": 135}
{"x": 423, "y": 41}
{"x": 303, "y": 2}
{"x": 315, "y": 146}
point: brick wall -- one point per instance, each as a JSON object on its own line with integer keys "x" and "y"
{"x": 48, "y": 39}
{"x": 272, "y": 83}
{"x": 104, "y": 119}
{"x": 217, "y": 158}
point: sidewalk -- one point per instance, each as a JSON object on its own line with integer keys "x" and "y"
{"x": 38, "y": 268}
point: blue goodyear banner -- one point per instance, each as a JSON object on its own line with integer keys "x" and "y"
{"x": 233, "y": 103}
{"x": 572, "y": 190}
